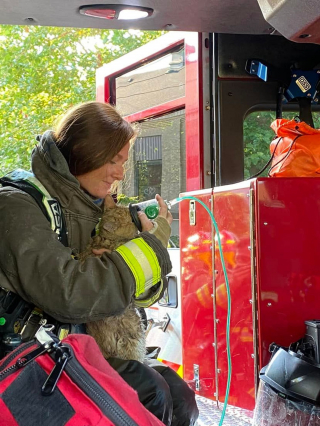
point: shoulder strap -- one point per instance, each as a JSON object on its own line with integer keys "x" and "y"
{"x": 50, "y": 207}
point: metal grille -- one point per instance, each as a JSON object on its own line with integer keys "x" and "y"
{"x": 148, "y": 148}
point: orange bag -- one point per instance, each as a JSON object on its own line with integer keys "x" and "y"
{"x": 296, "y": 149}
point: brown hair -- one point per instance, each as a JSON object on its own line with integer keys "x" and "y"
{"x": 91, "y": 134}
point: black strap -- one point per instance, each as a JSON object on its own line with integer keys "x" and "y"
{"x": 38, "y": 197}
{"x": 13, "y": 308}
{"x": 286, "y": 156}
{"x": 305, "y": 111}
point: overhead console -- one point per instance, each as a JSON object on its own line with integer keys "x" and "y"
{"x": 298, "y": 21}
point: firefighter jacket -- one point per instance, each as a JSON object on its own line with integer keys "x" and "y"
{"x": 35, "y": 265}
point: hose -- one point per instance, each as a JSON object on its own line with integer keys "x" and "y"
{"x": 178, "y": 200}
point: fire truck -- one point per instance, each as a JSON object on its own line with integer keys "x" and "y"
{"x": 192, "y": 94}
{"x": 203, "y": 96}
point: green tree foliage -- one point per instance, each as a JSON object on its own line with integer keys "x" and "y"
{"x": 257, "y": 136}
{"x": 44, "y": 71}
{"x": 125, "y": 201}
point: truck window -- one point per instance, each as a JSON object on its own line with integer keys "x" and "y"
{"x": 161, "y": 80}
{"x": 150, "y": 89}
{"x": 157, "y": 162}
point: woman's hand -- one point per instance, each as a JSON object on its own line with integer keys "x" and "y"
{"x": 99, "y": 252}
{"x": 160, "y": 227}
{"x": 147, "y": 224}
{"x": 164, "y": 211}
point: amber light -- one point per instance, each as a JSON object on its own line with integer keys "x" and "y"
{"x": 100, "y": 13}
{"x": 118, "y": 11}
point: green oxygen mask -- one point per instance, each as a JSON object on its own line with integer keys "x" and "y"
{"x": 149, "y": 207}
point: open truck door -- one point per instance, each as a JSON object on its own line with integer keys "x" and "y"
{"x": 160, "y": 86}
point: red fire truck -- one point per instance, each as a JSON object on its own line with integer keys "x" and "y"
{"x": 192, "y": 95}
{"x": 204, "y": 101}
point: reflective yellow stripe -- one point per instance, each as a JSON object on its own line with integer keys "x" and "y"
{"x": 180, "y": 371}
{"x": 142, "y": 262}
{"x": 134, "y": 266}
{"x": 145, "y": 303}
{"x": 49, "y": 211}
{"x": 46, "y": 196}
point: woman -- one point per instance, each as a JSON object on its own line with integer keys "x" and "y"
{"x": 77, "y": 164}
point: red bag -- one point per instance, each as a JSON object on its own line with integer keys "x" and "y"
{"x": 51, "y": 383}
{"x": 296, "y": 149}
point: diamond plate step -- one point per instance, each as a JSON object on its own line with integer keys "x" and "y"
{"x": 210, "y": 414}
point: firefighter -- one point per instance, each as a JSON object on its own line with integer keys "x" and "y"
{"x": 77, "y": 164}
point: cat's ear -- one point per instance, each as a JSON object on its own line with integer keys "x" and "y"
{"x": 109, "y": 202}
{"x": 109, "y": 226}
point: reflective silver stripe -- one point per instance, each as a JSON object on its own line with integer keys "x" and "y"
{"x": 51, "y": 204}
{"x": 144, "y": 263}
{"x": 35, "y": 182}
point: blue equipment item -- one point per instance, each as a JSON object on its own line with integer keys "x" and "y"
{"x": 294, "y": 85}
{"x": 255, "y": 67}
{"x": 303, "y": 84}
{"x": 297, "y": 83}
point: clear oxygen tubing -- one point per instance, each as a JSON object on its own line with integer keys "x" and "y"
{"x": 178, "y": 200}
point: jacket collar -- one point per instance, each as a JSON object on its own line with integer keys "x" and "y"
{"x": 51, "y": 168}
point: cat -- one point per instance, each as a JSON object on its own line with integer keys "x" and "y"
{"x": 121, "y": 336}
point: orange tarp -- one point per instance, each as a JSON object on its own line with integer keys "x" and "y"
{"x": 297, "y": 149}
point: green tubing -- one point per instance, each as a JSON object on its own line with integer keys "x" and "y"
{"x": 228, "y": 296}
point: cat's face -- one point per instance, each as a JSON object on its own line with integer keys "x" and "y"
{"x": 117, "y": 220}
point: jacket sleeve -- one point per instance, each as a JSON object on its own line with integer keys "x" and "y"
{"x": 35, "y": 265}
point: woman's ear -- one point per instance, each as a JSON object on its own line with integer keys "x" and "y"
{"x": 109, "y": 202}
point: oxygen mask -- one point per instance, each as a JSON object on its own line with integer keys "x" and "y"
{"x": 149, "y": 207}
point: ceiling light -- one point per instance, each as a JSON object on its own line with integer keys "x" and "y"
{"x": 115, "y": 11}
{"x": 132, "y": 14}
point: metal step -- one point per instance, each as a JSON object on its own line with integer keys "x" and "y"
{"x": 210, "y": 414}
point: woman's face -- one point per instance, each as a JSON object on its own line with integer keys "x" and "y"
{"x": 98, "y": 182}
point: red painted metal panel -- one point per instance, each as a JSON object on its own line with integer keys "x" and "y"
{"x": 102, "y": 86}
{"x": 196, "y": 295}
{"x": 232, "y": 213}
{"x": 194, "y": 114}
{"x": 285, "y": 275}
{"x": 288, "y": 265}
